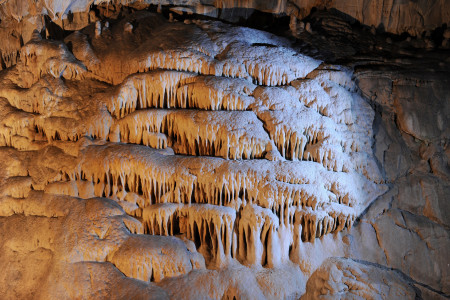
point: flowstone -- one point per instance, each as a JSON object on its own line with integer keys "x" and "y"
{"x": 181, "y": 151}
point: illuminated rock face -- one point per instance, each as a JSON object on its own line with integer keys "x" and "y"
{"x": 236, "y": 144}
{"x": 21, "y": 17}
{"x": 159, "y": 159}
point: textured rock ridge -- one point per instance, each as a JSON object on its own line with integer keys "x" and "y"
{"x": 57, "y": 17}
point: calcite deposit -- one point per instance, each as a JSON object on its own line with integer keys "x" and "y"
{"x": 145, "y": 157}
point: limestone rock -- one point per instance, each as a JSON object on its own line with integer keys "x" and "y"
{"x": 142, "y": 157}
{"x": 339, "y": 278}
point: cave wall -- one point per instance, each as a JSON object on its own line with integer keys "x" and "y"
{"x": 413, "y": 17}
{"x": 309, "y": 179}
{"x": 19, "y": 18}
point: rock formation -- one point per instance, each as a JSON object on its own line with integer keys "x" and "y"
{"x": 151, "y": 158}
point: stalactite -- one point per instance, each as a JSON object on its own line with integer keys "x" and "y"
{"x": 247, "y": 157}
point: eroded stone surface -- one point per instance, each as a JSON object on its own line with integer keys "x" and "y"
{"x": 339, "y": 278}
